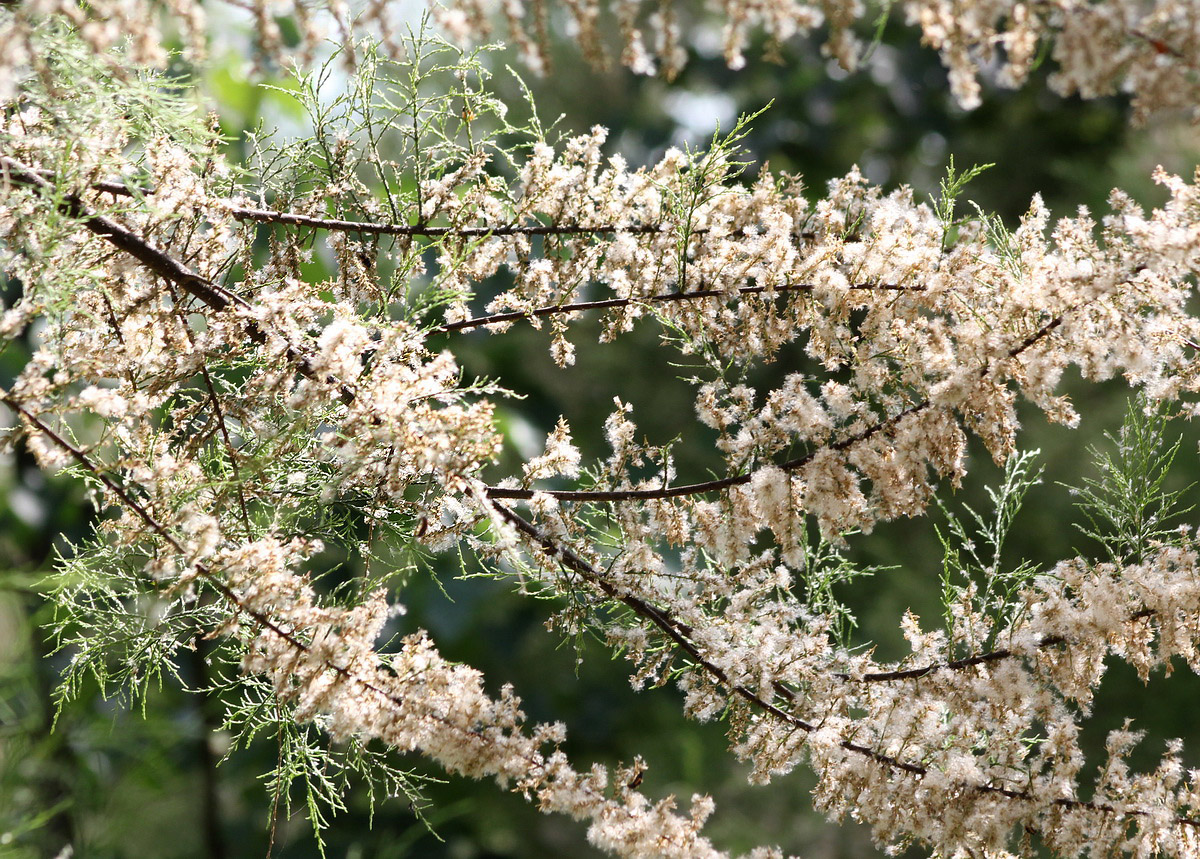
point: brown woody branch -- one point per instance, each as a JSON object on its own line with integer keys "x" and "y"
{"x": 267, "y": 216}
{"x": 161, "y": 264}
{"x": 382, "y": 228}
{"x": 971, "y": 661}
{"x": 589, "y": 495}
{"x": 217, "y": 298}
{"x": 679, "y": 633}
{"x": 670, "y": 297}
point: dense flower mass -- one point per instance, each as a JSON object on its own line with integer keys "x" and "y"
{"x": 225, "y": 405}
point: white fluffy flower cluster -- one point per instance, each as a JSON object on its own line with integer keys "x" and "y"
{"x": 324, "y": 663}
{"x": 928, "y": 340}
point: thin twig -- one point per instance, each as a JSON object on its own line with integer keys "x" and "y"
{"x": 382, "y": 228}
{"x": 607, "y": 303}
{"x": 971, "y": 661}
{"x": 161, "y": 264}
{"x": 684, "y": 490}
{"x": 268, "y": 216}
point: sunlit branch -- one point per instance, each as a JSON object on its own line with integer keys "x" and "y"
{"x": 706, "y": 486}
{"x": 679, "y": 633}
{"x": 671, "y": 297}
{"x": 141, "y": 511}
{"x": 161, "y": 264}
{"x": 217, "y": 298}
{"x": 381, "y": 228}
{"x": 267, "y": 216}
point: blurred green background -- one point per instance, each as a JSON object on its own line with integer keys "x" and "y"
{"x": 116, "y": 783}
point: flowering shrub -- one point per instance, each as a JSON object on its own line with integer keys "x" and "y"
{"x": 220, "y": 403}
